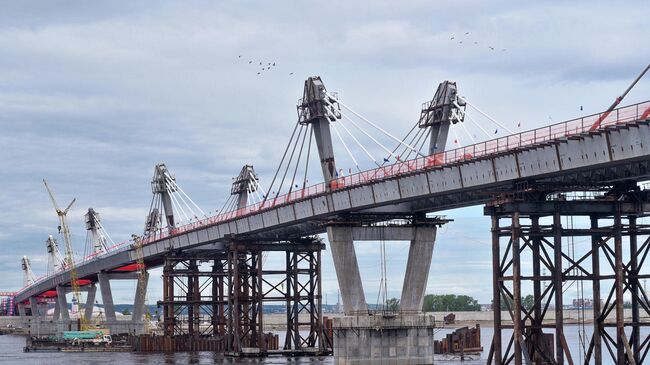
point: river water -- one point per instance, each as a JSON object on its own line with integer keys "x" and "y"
{"x": 11, "y": 352}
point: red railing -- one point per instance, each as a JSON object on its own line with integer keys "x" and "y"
{"x": 533, "y": 137}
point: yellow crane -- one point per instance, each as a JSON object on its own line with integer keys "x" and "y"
{"x": 64, "y": 230}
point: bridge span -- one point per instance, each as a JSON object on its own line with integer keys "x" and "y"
{"x": 568, "y": 156}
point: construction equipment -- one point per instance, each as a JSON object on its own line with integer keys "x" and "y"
{"x": 69, "y": 263}
{"x": 618, "y": 100}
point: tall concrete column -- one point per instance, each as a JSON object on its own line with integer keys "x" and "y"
{"x": 33, "y": 304}
{"x": 139, "y": 301}
{"x": 347, "y": 270}
{"x": 62, "y": 303}
{"x": 21, "y": 311}
{"x": 107, "y": 296}
{"x": 57, "y": 311}
{"x": 417, "y": 269}
{"x": 42, "y": 310}
{"x": 90, "y": 302}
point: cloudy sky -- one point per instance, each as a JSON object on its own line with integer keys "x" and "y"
{"x": 94, "y": 94}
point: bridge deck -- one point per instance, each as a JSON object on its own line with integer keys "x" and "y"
{"x": 567, "y": 153}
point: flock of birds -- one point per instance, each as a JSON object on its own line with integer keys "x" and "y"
{"x": 269, "y": 66}
{"x": 266, "y": 66}
{"x": 460, "y": 42}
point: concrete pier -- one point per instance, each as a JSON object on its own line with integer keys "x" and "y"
{"x": 366, "y": 340}
{"x": 417, "y": 269}
{"x": 347, "y": 270}
{"x": 403, "y": 338}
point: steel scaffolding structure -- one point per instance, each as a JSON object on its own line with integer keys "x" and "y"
{"x": 612, "y": 264}
{"x": 193, "y": 295}
{"x": 221, "y": 295}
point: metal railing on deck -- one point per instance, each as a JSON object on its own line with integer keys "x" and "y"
{"x": 529, "y": 138}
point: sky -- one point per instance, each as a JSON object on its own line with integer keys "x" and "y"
{"x": 94, "y": 94}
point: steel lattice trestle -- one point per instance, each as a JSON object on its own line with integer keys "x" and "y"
{"x": 222, "y": 295}
{"x": 542, "y": 231}
{"x": 193, "y": 296}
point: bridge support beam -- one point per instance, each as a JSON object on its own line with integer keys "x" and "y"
{"x": 417, "y": 269}
{"x": 62, "y": 303}
{"x": 347, "y": 270}
{"x": 422, "y": 236}
{"x": 542, "y": 229}
{"x": 90, "y": 302}
{"x": 22, "y": 312}
{"x": 33, "y": 304}
{"x": 396, "y": 337}
{"x": 107, "y": 297}
{"x": 136, "y": 324}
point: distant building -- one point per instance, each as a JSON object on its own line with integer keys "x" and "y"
{"x": 584, "y": 303}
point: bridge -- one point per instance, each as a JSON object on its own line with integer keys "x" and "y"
{"x": 608, "y": 152}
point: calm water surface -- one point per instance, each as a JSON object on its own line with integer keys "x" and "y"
{"x": 11, "y": 352}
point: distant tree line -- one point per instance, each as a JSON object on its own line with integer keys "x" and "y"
{"x": 450, "y": 303}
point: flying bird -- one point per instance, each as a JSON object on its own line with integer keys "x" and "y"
{"x": 239, "y": 56}
{"x": 260, "y": 63}
{"x": 273, "y": 63}
{"x": 249, "y": 62}
{"x": 466, "y": 33}
{"x": 461, "y": 42}
{"x": 452, "y": 38}
{"x": 290, "y": 73}
{"x": 258, "y": 72}
{"x": 492, "y": 48}
{"x": 475, "y": 42}
{"x": 580, "y": 107}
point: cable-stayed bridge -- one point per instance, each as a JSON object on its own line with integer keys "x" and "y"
{"x": 606, "y": 151}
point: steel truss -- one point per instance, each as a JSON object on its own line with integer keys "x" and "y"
{"x": 612, "y": 265}
{"x": 222, "y": 294}
{"x": 194, "y": 299}
{"x": 298, "y": 286}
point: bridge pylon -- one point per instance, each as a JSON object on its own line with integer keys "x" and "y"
{"x": 438, "y": 114}
{"x": 244, "y": 184}
{"x": 314, "y": 110}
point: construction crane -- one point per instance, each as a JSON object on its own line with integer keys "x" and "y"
{"x": 69, "y": 264}
{"x": 618, "y": 100}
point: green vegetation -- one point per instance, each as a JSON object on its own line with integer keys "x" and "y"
{"x": 450, "y": 303}
{"x": 392, "y": 304}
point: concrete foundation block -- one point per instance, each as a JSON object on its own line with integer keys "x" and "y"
{"x": 401, "y": 339}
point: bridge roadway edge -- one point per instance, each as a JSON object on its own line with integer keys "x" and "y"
{"x": 633, "y": 166}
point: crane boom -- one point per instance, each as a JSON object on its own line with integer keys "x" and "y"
{"x": 618, "y": 100}
{"x": 69, "y": 252}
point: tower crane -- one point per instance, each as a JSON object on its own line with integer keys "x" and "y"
{"x": 69, "y": 252}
